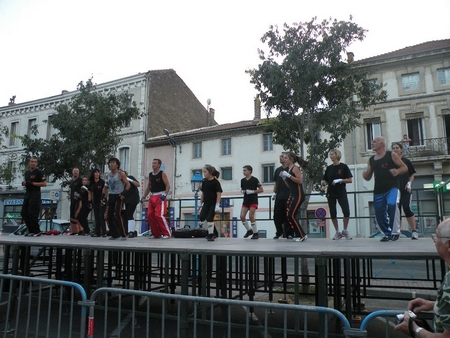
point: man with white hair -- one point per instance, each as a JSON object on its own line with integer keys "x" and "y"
{"x": 440, "y": 307}
{"x": 386, "y": 166}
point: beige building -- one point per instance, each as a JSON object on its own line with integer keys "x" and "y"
{"x": 161, "y": 95}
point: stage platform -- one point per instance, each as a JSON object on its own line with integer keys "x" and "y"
{"x": 345, "y": 270}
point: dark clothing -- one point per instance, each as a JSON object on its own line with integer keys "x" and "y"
{"x": 131, "y": 200}
{"x": 75, "y": 203}
{"x": 209, "y": 189}
{"x": 282, "y": 194}
{"x": 115, "y": 220}
{"x": 250, "y": 184}
{"x": 405, "y": 196}
{"x": 98, "y": 209}
{"x": 85, "y": 210}
{"x": 334, "y": 172}
{"x": 156, "y": 182}
{"x": 295, "y": 200}
{"x": 32, "y": 200}
{"x": 282, "y": 188}
{"x": 337, "y": 192}
{"x": 384, "y": 180}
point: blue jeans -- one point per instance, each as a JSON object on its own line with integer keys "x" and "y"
{"x": 387, "y": 212}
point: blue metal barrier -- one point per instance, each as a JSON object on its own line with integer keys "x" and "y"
{"x": 193, "y": 316}
{"x": 41, "y": 307}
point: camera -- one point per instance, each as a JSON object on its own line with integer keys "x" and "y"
{"x": 400, "y": 317}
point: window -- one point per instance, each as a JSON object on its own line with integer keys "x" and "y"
{"x": 197, "y": 150}
{"x": 411, "y": 81}
{"x": 415, "y": 130}
{"x": 267, "y": 140}
{"x": 124, "y": 158}
{"x": 372, "y": 129}
{"x": 31, "y": 126}
{"x": 12, "y": 133}
{"x": 226, "y": 173}
{"x": 268, "y": 170}
{"x": 50, "y": 129}
{"x": 129, "y": 104}
{"x": 443, "y": 76}
{"x": 226, "y": 146}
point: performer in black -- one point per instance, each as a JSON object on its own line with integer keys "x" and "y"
{"x": 280, "y": 195}
{"x": 131, "y": 201}
{"x": 250, "y": 187}
{"x": 336, "y": 176}
{"x": 34, "y": 180}
{"x": 75, "y": 202}
{"x": 96, "y": 185}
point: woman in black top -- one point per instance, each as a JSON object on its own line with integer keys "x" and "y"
{"x": 336, "y": 176}
{"x": 96, "y": 185}
{"x": 131, "y": 200}
{"x": 210, "y": 199}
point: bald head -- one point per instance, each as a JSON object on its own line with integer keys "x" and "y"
{"x": 443, "y": 229}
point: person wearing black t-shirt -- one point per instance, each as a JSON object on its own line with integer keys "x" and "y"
{"x": 86, "y": 206}
{"x": 280, "y": 195}
{"x": 75, "y": 202}
{"x": 34, "y": 180}
{"x": 131, "y": 201}
{"x": 336, "y": 176}
{"x": 96, "y": 185}
{"x": 250, "y": 187}
{"x": 406, "y": 180}
{"x": 211, "y": 192}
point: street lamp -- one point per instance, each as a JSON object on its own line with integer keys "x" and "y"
{"x": 196, "y": 180}
{"x": 174, "y": 144}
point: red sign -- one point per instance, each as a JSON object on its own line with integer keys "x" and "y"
{"x": 320, "y": 213}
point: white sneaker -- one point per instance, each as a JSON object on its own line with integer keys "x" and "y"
{"x": 165, "y": 237}
{"x": 414, "y": 235}
{"x": 337, "y": 235}
{"x": 346, "y": 235}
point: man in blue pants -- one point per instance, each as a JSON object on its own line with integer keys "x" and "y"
{"x": 385, "y": 166}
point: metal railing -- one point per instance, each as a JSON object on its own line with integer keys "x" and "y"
{"x": 48, "y": 308}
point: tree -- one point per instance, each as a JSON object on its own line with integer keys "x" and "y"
{"x": 305, "y": 79}
{"x": 87, "y": 131}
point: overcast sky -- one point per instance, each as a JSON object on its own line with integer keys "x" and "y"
{"x": 51, "y": 45}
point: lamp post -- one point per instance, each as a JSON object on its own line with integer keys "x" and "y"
{"x": 174, "y": 144}
{"x": 196, "y": 180}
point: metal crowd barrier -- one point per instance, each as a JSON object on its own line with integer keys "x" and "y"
{"x": 36, "y": 307}
{"x": 127, "y": 313}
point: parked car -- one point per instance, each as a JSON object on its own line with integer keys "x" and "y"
{"x": 62, "y": 226}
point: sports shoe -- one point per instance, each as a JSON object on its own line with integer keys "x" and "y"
{"x": 112, "y": 238}
{"x": 301, "y": 239}
{"x": 37, "y": 234}
{"x": 385, "y": 239}
{"x": 337, "y": 235}
{"x": 123, "y": 238}
{"x": 289, "y": 237}
{"x": 131, "y": 234}
{"x": 346, "y": 235}
{"x": 165, "y": 237}
{"x": 74, "y": 234}
{"x": 248, "y": 233}
{"x": 395, "y": 237}
{"x": 276, "y": 237}
{"x": 255, "y": 236}
{"x": 29, "y": 234}
{"x": 414, "y": 235}
{"x": 210, "y": 238}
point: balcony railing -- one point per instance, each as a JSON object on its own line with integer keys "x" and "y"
{"x": 430, "y": 147}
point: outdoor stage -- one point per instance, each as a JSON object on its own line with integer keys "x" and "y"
{"x": 234, "y": 268}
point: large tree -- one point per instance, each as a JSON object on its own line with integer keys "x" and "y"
{"x": 317, "y": 94}
{"x": 87, "y": 131}
{"x": 7, "y": 170}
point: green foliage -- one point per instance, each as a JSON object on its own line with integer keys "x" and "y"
{"x": 7, "y": 169}
{"x": 304, "y": 78}
{"x": 87, "y": 131}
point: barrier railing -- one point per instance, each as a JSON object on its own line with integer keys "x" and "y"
{"x": 191, "y": 316}
{"x": 35, "y": 307}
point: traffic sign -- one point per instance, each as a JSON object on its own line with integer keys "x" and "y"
{"x": 320, "y": 213}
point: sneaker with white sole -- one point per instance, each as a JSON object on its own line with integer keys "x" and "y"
{"x": 414, "y": 235}
{"x": 337, "y": 235}
{"x": 346, "y": 235}
{"x": 165, "y": 237}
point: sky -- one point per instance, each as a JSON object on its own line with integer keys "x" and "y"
{"x": 51, "y": 45}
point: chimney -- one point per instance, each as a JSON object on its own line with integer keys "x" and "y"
{"x": 212, "y": 113}
{"x": 64, "y": 92}
{"x": 350, "y": 57}
{"x": 257, "y": 111}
